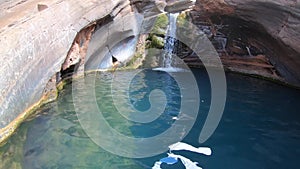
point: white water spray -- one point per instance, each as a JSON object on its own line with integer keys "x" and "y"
{"x": 170, "y": 40}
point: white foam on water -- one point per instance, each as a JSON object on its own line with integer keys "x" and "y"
{"x": 157, "y": 165}
{"x": 174, "y": 118}
{"x": 170, "y": 69}
{"x": 189, "y": 164}
{"x": 185, "y": 146}
{"x": 185, "y": 161}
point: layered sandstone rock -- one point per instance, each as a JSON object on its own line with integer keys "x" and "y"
{"x": 278, "y": 18}
{"x": 36, "y": 37}
{"x": 40, "y": 39}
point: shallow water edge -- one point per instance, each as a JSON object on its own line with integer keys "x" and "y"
{"x": 9, "y": 130}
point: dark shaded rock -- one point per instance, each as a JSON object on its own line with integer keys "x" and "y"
{"x": 41, "y": 7}
{"x": 278, "y": 24}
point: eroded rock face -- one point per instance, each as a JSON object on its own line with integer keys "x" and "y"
{"x": 278, "y": 18}
{"x": 35, "y": 41}
{"x": 109, "y": 40}
{"x": 51, "y": 39}
{"x": 40, "y": 39}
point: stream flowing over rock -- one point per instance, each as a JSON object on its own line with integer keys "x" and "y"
{"x": 44, "y": 41}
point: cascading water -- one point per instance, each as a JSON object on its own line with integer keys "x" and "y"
{"x": 169, "y": 63}
{"x": 170, "y": 41}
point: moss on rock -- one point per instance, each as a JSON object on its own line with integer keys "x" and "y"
{"x": 156, "y": 36}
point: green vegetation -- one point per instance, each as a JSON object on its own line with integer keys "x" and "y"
{"x": 160, "y": 25}
{"x": 156, "y": 37}
{"x": 132, "y": 64}
{"x": 155, "y": 41}
{"x": 139, "y": 55}
{"x": 182, "y": 19}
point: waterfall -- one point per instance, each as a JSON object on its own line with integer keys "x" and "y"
{"x": 167, "y": 62}
{"x": 170, "y": 40}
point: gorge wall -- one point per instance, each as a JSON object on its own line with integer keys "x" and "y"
{"x": 278, "y": 18}
{"x": 42, "y": 41}
{"x": 35, "y": 38}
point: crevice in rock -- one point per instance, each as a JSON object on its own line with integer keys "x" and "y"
{"x": 74, "y": 62}
{"x": 75, "y": 59}
{"x": 18, "y": 3}
{"x": 76, "y": 55}
{"x": 41, "y": 7}
{"x": 114, "y": 60}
